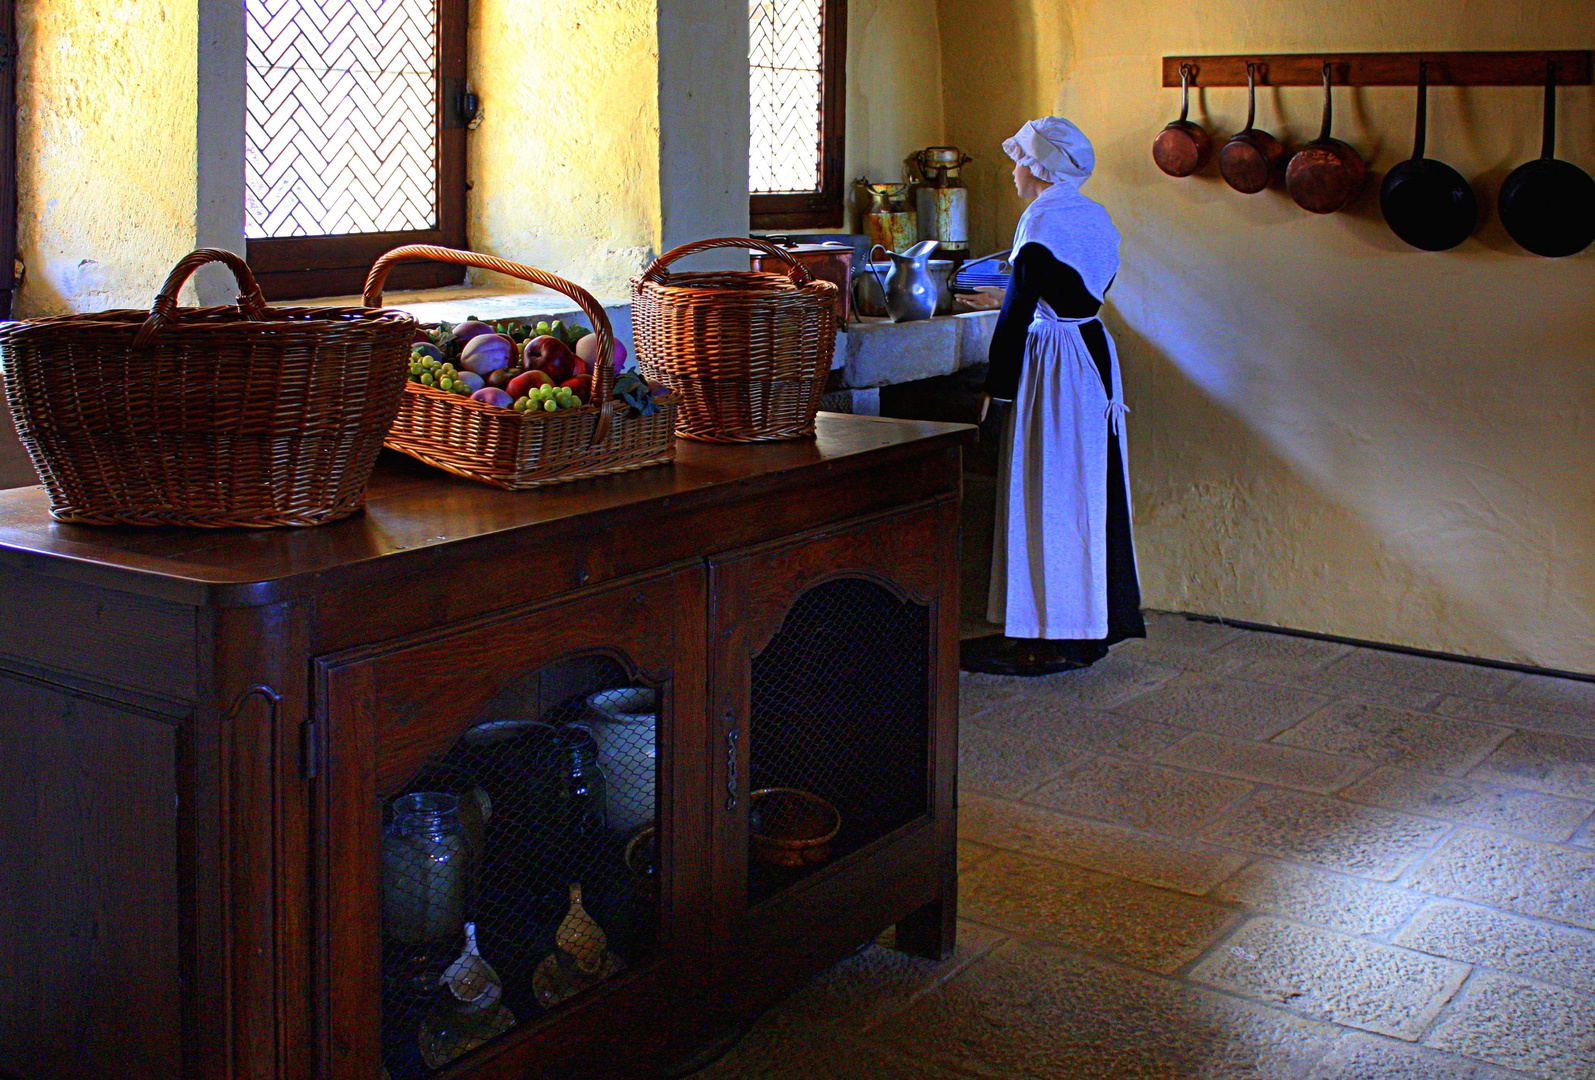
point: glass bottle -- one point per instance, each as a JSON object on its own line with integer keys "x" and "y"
{"x": 424, "y": 868}
{"x": 582, "y": 789}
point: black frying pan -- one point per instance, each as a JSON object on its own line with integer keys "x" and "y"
{"x": 1426, "y": 202}
{"x": 1548, "y": 205}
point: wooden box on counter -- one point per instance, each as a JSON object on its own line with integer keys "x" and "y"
{"x": 203, "y": 735}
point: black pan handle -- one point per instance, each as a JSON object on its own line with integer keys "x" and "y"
{"x": 1329, "y": 106}
{"x": 1548, "y": 149}
{"x": 1251, "y": 94}
{"x": 1420, "y": 137}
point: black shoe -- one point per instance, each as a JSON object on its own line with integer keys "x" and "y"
{"x": 1027, "y": 657}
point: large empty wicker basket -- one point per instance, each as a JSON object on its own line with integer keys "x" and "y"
{"x": 748, "y": 352}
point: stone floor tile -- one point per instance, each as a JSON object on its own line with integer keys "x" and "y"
{"x": 977, "y": 692}
{"x": 1554, "y": 764}
{"x": 1096, "y": 913}
{"x": 969, "y": 853}
{"x": 1427, "y": 673}
{"x": 1360, "y": 1056}
{"x": 1395, "y": 737}
{"x": 1032, "y": 1012}
{"x": 1266, "y": 763}
{"x": 1360, "y": 840}
{"x": 1475, "y": 935}
{"x": 1506, "y": 872}
{"x": 1224, "y": 706}
{"x": 1333, "y": 683}
{"x": 1510, "y": 714}
{"x": 1284, "y": 650}
{"x": 1140, "y": 796}
{"x": 1469, "y": 802}
{"x": 1170, "y": 863}
{"x": 1324, "y": 975}
{"x": 1002, "y": 764}
{"x": 1186, "y": 660}
{"x": 1545, "y": 1031}
{"x": 1555, "y": 694}
{"x": 1170, "y": 630}
{"x": 1350, "y": 905}
{"x": 1044, "y": 721}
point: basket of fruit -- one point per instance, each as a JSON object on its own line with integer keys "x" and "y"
{"x": 523, "y": 413}
{"x": 221, "y": 416}
{"x": 748, "y": 352}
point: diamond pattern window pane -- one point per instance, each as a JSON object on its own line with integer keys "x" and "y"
{"x": 787, "y": 88}
{"x": 340, "y": 134}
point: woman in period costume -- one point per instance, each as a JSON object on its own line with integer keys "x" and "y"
{"x": 1063, "y": 577}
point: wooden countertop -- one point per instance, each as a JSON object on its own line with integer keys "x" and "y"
{"x": 413, "y": 510}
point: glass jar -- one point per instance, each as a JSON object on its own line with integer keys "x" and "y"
{"x": 425, "y": 859}
{"x": 582, "y": 787}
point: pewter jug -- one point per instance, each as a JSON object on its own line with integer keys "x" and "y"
{"x": 910, "y": 286}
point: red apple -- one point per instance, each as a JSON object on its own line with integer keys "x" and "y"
{"x": 548, "y": 353}
{"x": 582, "y": 386}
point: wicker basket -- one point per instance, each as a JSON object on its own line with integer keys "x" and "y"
{"x": 216, "y": 417}
{"x": 749, "y": 353}
{"x": 514, "y": 450}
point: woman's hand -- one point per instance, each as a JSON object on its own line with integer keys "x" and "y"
{"x": 985, "y": 407}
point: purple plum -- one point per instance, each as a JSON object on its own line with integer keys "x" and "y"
{"x": 471, "y": 328}
{"x": 487, "y": 354}
{"x": 492, "y": 395}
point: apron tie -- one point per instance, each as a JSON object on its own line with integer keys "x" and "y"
{"x": 1115, "y": 416}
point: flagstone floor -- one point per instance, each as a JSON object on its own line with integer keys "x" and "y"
{"x": 1224, "y": 854}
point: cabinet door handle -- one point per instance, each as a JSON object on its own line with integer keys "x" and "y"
{"x": 732, "y": 734}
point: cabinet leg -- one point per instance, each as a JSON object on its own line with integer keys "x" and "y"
{"x": 931, "y": 932}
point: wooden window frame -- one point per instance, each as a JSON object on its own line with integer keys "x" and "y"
{"x": 8, "y": 156}
{"x": 822, "y": 209}
{"x": 296, "y": 267}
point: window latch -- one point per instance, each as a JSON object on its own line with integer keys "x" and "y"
{"x": 461, "y": 107}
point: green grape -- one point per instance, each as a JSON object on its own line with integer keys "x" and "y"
{"x": 428, "y": 380}
{"x": 550, "y": 406}
{"x": 448, "y": 369}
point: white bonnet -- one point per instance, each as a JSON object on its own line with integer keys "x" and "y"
{"x": 1053, "y": 149}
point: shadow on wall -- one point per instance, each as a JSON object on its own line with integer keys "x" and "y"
{"x": 1201, "y": 523}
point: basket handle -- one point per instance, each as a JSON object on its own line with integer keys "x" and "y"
{"x": 660, "y": 273}
{"x": 164, "y": 310}
{"x": 604, "y": 361}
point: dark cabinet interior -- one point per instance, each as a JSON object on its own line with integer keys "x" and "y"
{"x": 372, "y": 821}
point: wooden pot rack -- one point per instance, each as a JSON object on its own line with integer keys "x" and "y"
{"x": 1385, "y": 69}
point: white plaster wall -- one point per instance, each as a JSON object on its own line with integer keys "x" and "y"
{"x": 894, "y": 86}
{"x": 106, "y": 188}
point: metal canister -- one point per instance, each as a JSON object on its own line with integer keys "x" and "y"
{"x": 943, "y": 200}
{"x": 890, "y": 221}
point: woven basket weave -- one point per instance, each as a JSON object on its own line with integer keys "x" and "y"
{"x": 514, "y": 450}
{"x": 748, "y": 352}
{"x": 224, "y": 416}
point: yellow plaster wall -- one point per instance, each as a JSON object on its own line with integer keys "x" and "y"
{"x": 1331, "y": 431}
{"x": 894, "y": 88}
{"x": 565, "y": 164}
{"x": 105, "y": 150}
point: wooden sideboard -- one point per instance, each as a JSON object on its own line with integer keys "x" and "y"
{"x": 206, "y": 739}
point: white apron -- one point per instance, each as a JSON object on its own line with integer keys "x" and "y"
{"x": 1049, "y": 563}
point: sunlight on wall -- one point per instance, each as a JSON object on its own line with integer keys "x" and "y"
{"x": 894, "y": 86}
{"x": 105, "y": 151}
{"x": 565, "y": 165}
{"x": 1332, "y": 431}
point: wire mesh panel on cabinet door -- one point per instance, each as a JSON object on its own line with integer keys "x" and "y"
{"x": 839, "y": 728}
{"x": 521, "y": 869}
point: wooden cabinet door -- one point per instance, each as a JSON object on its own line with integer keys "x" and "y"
{"x": 834, "y": 674}
{"x": 457, "y": 783}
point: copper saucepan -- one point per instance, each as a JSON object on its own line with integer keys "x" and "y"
{"x": 1326, "y": 174}
{"x": 1182, "y": 147}
{"x": 1251, "y": 157}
